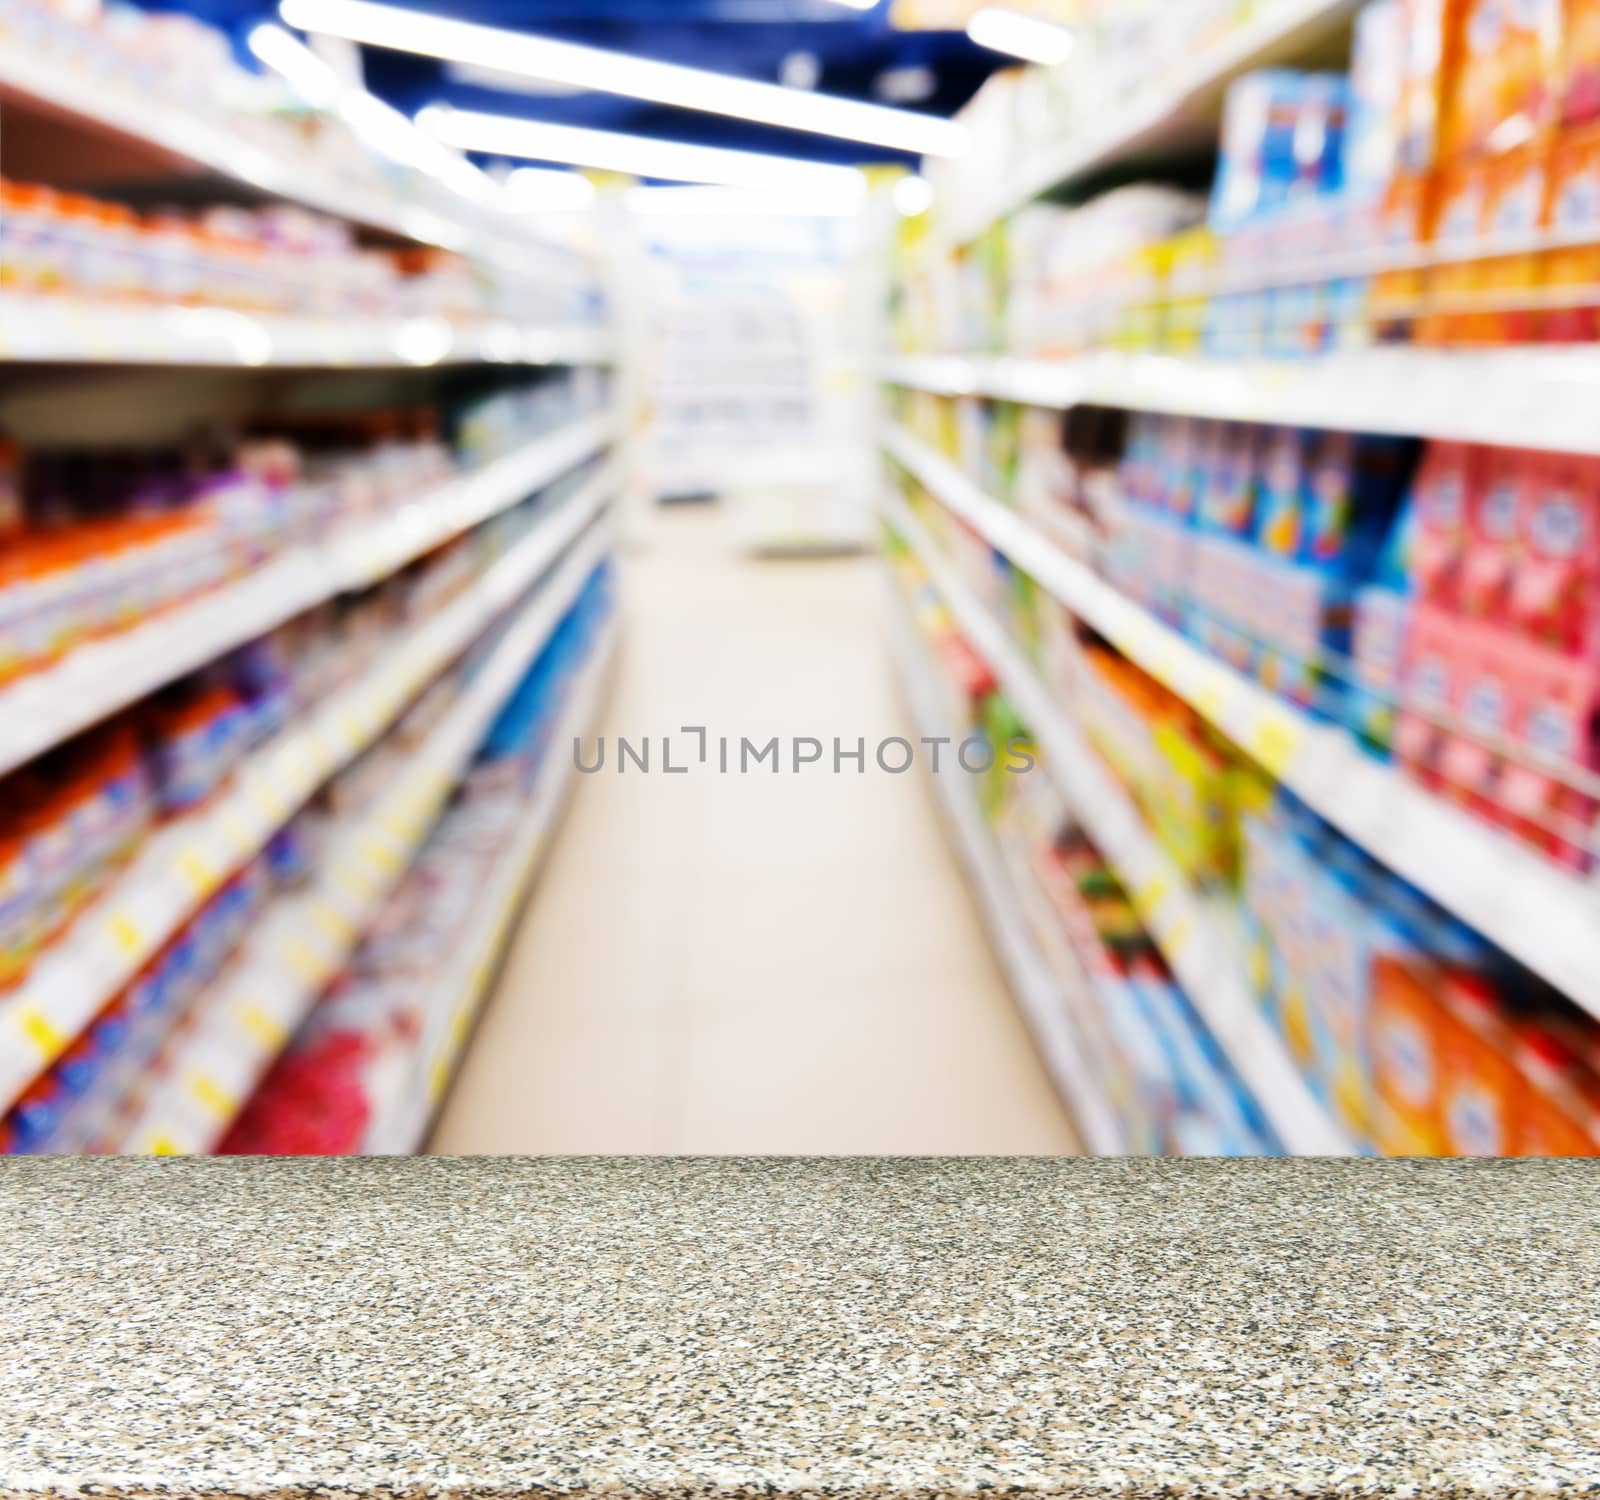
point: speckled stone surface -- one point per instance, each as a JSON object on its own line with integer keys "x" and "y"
{"x": 780, "y": 1327}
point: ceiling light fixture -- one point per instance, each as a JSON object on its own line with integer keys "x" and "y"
{"x": 687, "y": 202}
{"x": 637, "y": 155}
{"x": 913, "y": 196}
{"x": 543, "y": 189}
{"x": 630, "y": 76}
{"x": 1021, "y": 36}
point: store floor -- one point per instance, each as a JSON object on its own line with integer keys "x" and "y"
{"x": 762, "y": 963}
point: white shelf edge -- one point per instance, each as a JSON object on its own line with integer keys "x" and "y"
{"x": 67, "y": 330}
{"x": 1034, "y": 983}
{"x": 1546, "y": 919}
{"x": 1529, "y": 397}
{"x": 1202, "y": 961}
{"x": 1268, "y": 35}
{"x": 295, "y": 957}
{"x": 95, "y": 681}
{"x": 403, "y": 1119}
{"x": 187, "y": 862}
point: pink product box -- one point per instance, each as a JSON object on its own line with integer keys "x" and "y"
{"x": 1556, "y": 708}
{"x": 1378, "y": 639}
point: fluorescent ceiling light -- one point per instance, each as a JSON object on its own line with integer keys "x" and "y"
{"x": 306, "y": 73}
{"x": 621, "y": 73}
{"x": 731, "y": 202}
{"x": 912, "y": 196}
{"x": 856, "y": 4}
{"x": 1021, "y": 36}
{"x": 542, "y": 189}
{"x": 637, "y": 155}
{"x": 383, "y": 128}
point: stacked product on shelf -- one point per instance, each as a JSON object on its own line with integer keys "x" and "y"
{"x": 278, "y": 259}
{"x": 97, "y": 541}
{"x": 1414, "y": 1032}
{"x": 1168, "y": 1083}
{"x": 366, "y": 1037}
{"x": 73, "y": 820}
{"x": 1443, "y": 192}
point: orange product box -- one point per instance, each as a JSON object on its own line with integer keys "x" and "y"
{"x": 1404, "y": 223}
{"x": 1581, "y": 61}
{"x": 1572, "y": 211}
{"x": 1558, "y": 1116}
{"x": 1514, "y": 203}
{"x": 1481, "y": 1088}
{"x": 1431, "y": 49}
{"x": 1528, "y": 77}
{"x": 1404, "y": 1026}
{"x": 1458, "y": 219}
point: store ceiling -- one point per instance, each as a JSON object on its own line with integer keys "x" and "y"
{"x": 811, "y": 43}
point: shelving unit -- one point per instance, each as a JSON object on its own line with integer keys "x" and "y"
{"x": 1168, "y": 114}
{"x": 1517, "y": 398}
{"x": 405, "y": 1111}
{"x": 1049, "y": 999}
{"x": 163, "y": 136}
{"x": 306, "y": 939}
{"x": 101, "y": 677}
{"x": 189, "y": 861}
{"x": 1547, "y": 919}
{"x": 1196, "y": 947}
{"x": 64, "y": 330}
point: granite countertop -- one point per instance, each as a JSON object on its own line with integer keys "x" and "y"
{"x": 667, "y": 1328}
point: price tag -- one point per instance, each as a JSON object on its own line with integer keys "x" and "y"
{"x": 43, "y": 1033}
{"x": 438, "y": 1079}
{"x": 265, "y": 1030}
{"x": 197, "y": 870}
{"x": 303, "y": 963}
{"x": 126, "y": 935}
{"x": 1274, "y": 741}
{"x": 332, "y": 923}
{"x": 1148, "y": 896}
{"x": 164, "y": 1145}
{"x": 216, "y": 1099}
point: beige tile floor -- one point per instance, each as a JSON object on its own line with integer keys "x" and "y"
{"x": 785, "y": 964}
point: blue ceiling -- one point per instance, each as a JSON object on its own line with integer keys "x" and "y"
{"x": 750, "y": 38}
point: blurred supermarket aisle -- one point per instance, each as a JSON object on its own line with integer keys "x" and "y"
{"x": 751, "y": 964}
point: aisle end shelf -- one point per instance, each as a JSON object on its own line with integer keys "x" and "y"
{"x": 1197, "y": 948}
{"x": 96, "y": 680}
{"x": 190, "y": 860}
{"x": 1034, "y": 980}
{"x": 1516, "y": 398}
{"x": 303, "y": 943}
{"x": 1543, "y": 917}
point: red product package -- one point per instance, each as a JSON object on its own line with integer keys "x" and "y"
{"x": 1557, "y": 708}
{"x": 1555, "y": 597}
{"x": 1490, "y": 548}
{"x": 1428, "y": 677}
{"x": 1442, "y": 487}
{"x": 1483, "y": 703}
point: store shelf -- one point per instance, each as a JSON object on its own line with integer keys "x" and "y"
{"x": 1199, "y": 951}
{"x": 1518, "y": 398}
{"x": 403, "y": 1116}
{"x": 96, "y": 680}
{"x": 181, "y": 867}
{"x": 69, "y": 330}
{"x": 305, "y": 941}
{"x": 167, "y": 136}
{"x": 1169, "y": 113}
{"x": 1543, "y": 917}
{"x": 1039, "y": 991}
